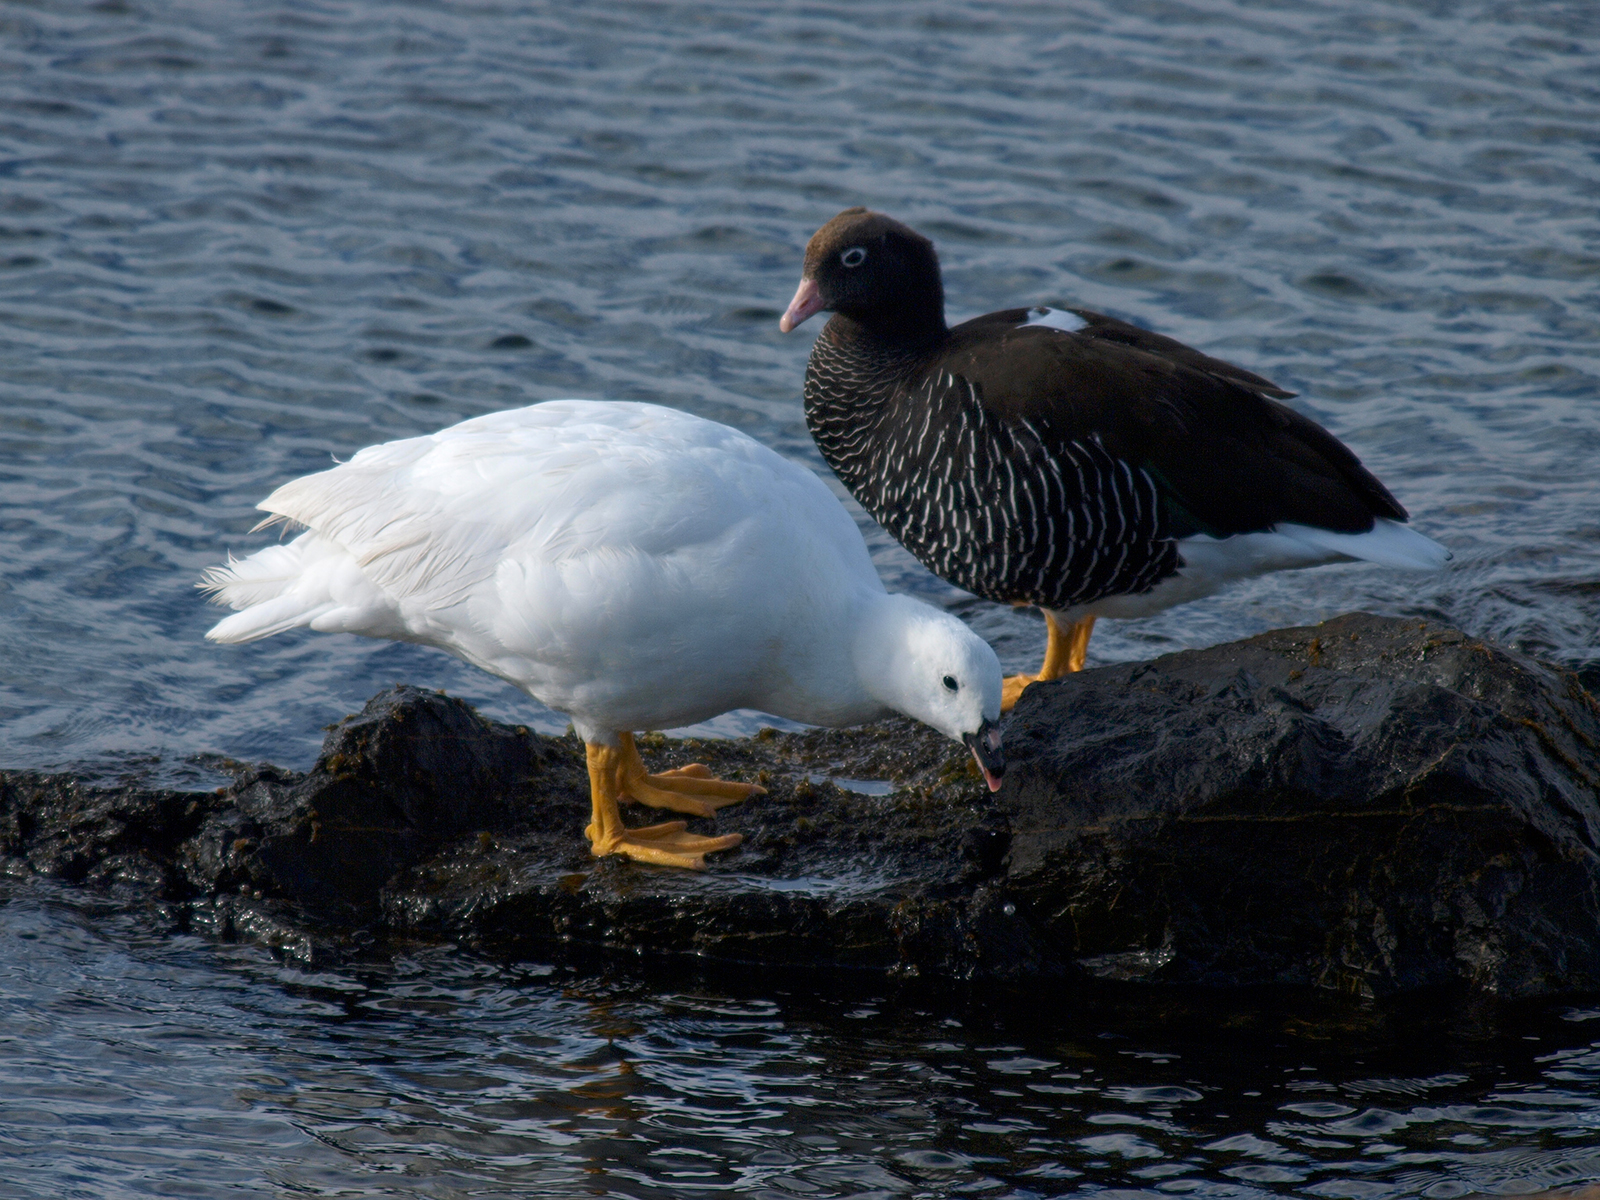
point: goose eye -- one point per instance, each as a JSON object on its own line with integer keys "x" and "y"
{"x": 950, "y": 682}
{"x": 854, "y": 256}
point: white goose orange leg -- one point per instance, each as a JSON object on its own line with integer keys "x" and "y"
{"x": 690, "y": 789}
{"x": 1064, "y": 651}
{"x": 616, "y": 773}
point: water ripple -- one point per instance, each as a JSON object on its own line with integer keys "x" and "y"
{"x": 234, "y": 243}
{"x": 159, "y": 1057}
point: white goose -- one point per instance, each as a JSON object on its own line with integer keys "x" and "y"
{"x": 632, "y": 566}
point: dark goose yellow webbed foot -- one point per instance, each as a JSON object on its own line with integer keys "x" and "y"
{"x": 1064, "y": 651}
{"x": 616, "y": 773}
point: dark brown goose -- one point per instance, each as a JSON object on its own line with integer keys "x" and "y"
{"x": 1062, "y": 458}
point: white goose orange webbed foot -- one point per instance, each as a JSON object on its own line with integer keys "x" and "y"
{"x": 689, "y": 789}
{"x": 1064, "y": 652}
{"x": 616, "y": 773}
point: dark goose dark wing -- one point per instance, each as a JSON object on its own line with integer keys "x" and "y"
{"x": 1109, "y": 329}
{"x": 1028, "y": 464}
{"x": 1232, "y": 459}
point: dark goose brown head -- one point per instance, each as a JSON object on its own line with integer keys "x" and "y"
{"x": 874, "y": 270}
{"x": 1051, "y": 456}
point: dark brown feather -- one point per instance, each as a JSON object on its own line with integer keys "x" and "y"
{"x": 1234, "y": 460}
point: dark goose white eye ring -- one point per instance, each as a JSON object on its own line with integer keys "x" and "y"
{"x": 854, "y": 256}
{"x": 950, "y": 682}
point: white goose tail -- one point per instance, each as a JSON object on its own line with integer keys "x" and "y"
{"x": 311, "y": 582}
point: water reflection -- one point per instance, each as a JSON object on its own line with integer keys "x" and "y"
{"x": 157, "y": 1057}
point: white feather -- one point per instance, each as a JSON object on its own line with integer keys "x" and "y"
{"x": 1056, "y": 318}
{"x": 1387, "y": 543}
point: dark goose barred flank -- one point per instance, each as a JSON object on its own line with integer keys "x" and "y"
{"x": 1000, "y": 507}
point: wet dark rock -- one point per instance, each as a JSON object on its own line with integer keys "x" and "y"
{"x": 1373, "y": 806}
{"x": 1369, "y": 805}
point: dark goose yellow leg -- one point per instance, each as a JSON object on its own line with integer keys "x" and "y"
{"x": 1064, "y": 651}
{"x": 616, "y": 774}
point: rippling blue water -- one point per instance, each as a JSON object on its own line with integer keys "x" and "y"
{"x": 140, "y": 1065}
{"x": 238, "y": 238}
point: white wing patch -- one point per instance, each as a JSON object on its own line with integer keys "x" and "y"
{"x": 1056, "y": 318}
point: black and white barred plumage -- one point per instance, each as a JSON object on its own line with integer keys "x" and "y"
{"x": 1003, "y": 508}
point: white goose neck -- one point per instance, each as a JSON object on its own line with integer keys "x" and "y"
{"x": 886, "y": 643}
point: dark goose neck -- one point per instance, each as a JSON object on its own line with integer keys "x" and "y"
{"x": 852, "y": 379}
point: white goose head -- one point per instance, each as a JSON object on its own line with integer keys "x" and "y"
{"x": 925, "y": 663}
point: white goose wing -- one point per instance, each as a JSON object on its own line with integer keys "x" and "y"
{"x": 429, "y": 519}
{"x": 560, "y": 505}
{"x": 631, "y": 562}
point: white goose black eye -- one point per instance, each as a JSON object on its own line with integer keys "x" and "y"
{"x": 950, "y": 682}
{"x": 854, "y": 256}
